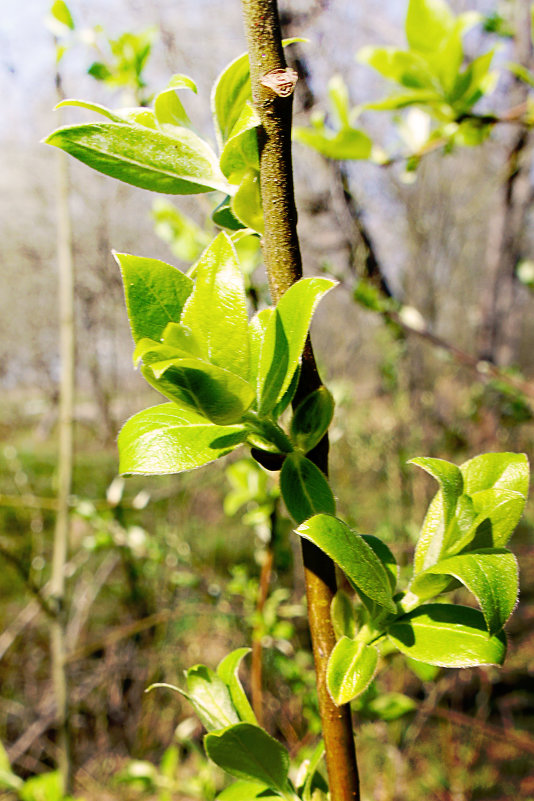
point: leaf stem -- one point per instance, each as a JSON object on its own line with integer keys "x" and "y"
{"x": 284, "y": 267}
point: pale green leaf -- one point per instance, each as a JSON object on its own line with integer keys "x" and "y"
{"x": 350, "y": 670}
{"x": 114, "y": 116}
{"x": 221, "y": 396}
{"x": 246, "y": 203}
{"x": 492, "y": 577}
{"x": 216, "y": 311}
{"x": 342, "y": 615}
{"x": 447, "y": 635}
{"x": 211, "y": 698}
{"x": 353, "y": 555}
{"x": 244, "y": 790}
{"x": 155, "y": 294}
{"x": 248, "y": 752}
{"x": 389, "y": 706}
{"x": 304, "y": 488}
{"x": 428, "y": 22}
{"x": 240, "y": 153}
{"x": 348, "y": 143}
{"x": 227, "y": 670}
{"x": 166, "y": 439}
{"x": 256, "y": 333}
{"x": 285, "y": 337}
{"x": 61, "y": 12}
{"x": 177, "y": 165}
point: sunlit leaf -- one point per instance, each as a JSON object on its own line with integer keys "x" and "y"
{"x": 351, "y": 668}
{"x": 227, "y": 670}
{"x": 211, "y": 698}
{"x": 447, "y": 635}
{"x": 178, "y": 165}
{"x": 166, "y": 439}
{"x": 155, "y": 294}
{"x": 248, "y": 752}
{"x": 353, "y": 555}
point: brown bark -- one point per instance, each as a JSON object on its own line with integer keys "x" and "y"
{"x": 284, "y": 267}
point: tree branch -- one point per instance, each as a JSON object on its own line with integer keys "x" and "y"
{"x": 284, "y": 267}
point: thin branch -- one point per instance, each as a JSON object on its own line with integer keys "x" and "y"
{"x": 284, "y": 267}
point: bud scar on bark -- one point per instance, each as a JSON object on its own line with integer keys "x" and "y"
{"x": 281, "y": 81}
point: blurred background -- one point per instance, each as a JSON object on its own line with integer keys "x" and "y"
{"x": 427, "y": 346}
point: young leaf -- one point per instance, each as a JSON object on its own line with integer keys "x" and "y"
{"x": 96, "y": 107}
{"x": 491, "y": 576}
{"x": 348, "y": 143}
{"x": 447, "y": 635}
{"x": 501, "y": 471}
{"x": 304, "y": 488}
{"x": 231, "y": 92}
{"x": 353, "y": 555}
{"x": 246, "y": 203}
{"x": 155, "y": 294}
{"x": 168, "y": 107}
{"x": 61, "y": 12}
{"x": 166, "y": 439}
{"x": 284, "y": 338}
{"x": 227, "y": 670}
{"x": 178, "y": 165}
{"x": 248, "y": 752}
{"x": 256, "y": 333}
{"x": 342, "y": 615}
{"x": 450, "y": 480}
{"x": 211, "y": 698}
{"x": 386, "y": 557}
{"x": 221, "y": 396}
{"x": 216, "y": 311}
{"x": 428, "y": 23}
{"x": 389, "y": 706}
{"x": 311, "y": 419}
{"x": 240, "y": 153}
{"x": 243, "y": 790}
{"x": 351, "y": 668}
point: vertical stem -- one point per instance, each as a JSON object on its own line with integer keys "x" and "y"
{"x": 284, "y": 267}
{"x": 65, "y": 463}
{"x": 256, "y": 675}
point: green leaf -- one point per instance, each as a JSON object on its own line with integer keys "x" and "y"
{"x": 96, "y": 107}
{"x": 284, "y": 338}
{"x": 246, "y": 203}
{"x": 256, "y": 334}
{"x": 221, "y": 396}
{"x": 61, "y": 12}
{"x": 166, "y": 439}
{"x": 353, "y": 555}
{"x": 185, "y": 238}
{"x": 348, "y": 143}
{"x": 211, "y": 698}
{"x": 389, "y": 706}
{"x": 502, "y": 471}
{"x": 447, "y": 635}
{"x": 495, "y": 489}
{"x": 304, "y": 488}
{"x": 491, "y": 575}
{"x": 224, "y": 217}
{"x": 168, "y": 107}
{"x": 342, "y": 615}
{"x": 240, "y": 153}
{"x": 231, "y": 91}
{"x": 428, "y": 22}
{"x": 410, "y": 69}
{"x": 350, "y": 670}
{"x": 155, "y": 294}
{"x": 450, "y": 479}
{"x": 248, "y": 752}
{"x": 386, "y": 557}
{"x": 178, "y": 165}
{"x": 311, "y": 419}
{"x": 227, "y": 671}
{"x": 216, "y": 311}
{"x": 243, "y": 790}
